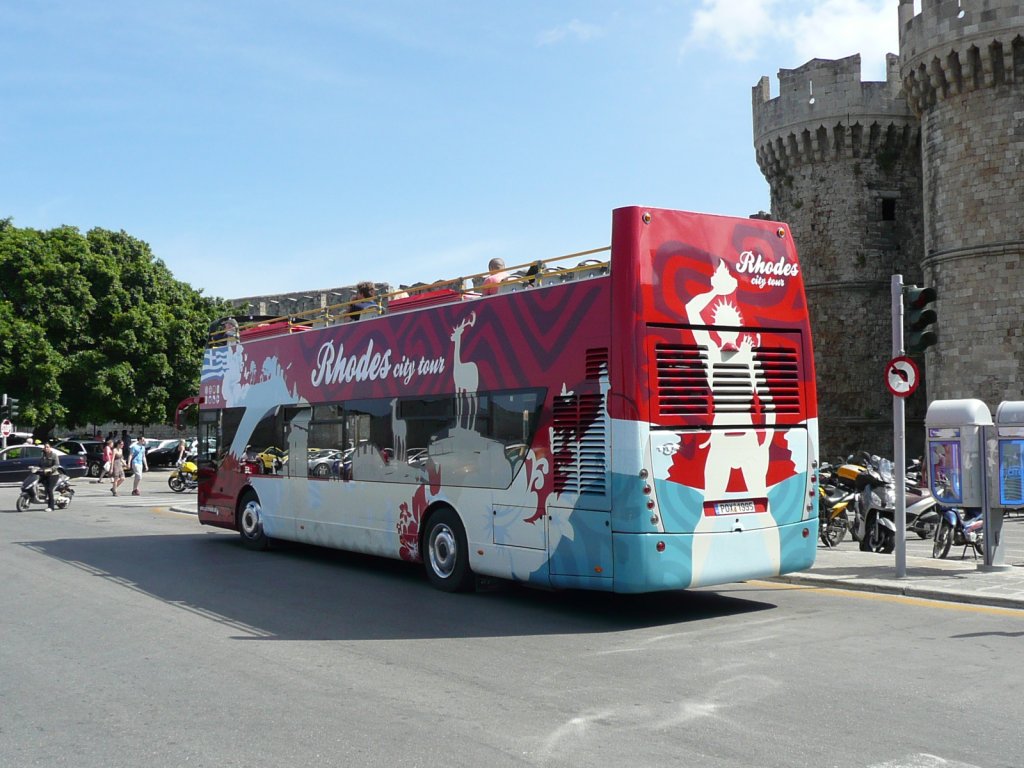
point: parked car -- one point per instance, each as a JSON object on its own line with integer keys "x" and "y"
{"x": 16, "y": 460}
{"x": 162, "y": 453}
{"x": 325, "y": 462}
{"x": 91, "y": 449}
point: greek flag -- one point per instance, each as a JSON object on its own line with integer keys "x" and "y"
{"x": 215, "y": 364}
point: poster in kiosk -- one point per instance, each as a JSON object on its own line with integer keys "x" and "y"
{"x": 1006, "y": 456}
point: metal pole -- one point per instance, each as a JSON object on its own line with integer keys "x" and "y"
{"x": 899, "y": 448}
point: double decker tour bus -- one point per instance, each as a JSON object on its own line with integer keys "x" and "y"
{"x": 645, "y": 420}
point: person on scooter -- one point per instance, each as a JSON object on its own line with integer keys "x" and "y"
{"x": 49, "y": 465}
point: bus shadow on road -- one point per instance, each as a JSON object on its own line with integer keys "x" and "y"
{"x": 300, "y": 592}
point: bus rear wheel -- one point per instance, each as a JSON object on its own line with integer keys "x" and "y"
{"x": 250, "y": 522}
{"x": 447, "y": 553}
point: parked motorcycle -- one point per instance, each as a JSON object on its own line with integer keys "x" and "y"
{"x": 184, "y": 476}
{"x": 844, "y": 478}
{"x": 966, "y": 529}
{"x": 33, "y": 490}
{"x": 833, "y": 518}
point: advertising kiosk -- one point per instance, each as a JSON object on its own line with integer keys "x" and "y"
{"x": 955, "y": 442}
{"x": 962, "y": 462}
{"x": 1006, "y": 456}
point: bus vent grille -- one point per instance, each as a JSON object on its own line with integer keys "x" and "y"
{"x": 597, "y": 364}
{"x": 773, "y": 387}
{"x": 580, "y": 444}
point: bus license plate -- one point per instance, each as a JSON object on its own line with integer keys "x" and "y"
{"x": 735, "y": 508}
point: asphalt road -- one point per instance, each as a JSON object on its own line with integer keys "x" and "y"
{"x": 131, "y": 636}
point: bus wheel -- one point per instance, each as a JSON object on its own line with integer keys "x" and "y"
{"x": 250, "y": 522}
{"x": 447, "y": 560}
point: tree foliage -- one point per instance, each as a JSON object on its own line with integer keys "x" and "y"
{"x": 94, "y": 328}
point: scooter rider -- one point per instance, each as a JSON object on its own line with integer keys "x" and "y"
{"x": 49, "y": 465}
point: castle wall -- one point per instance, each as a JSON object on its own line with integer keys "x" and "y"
{"x": 963, "y": 70}
{"x": 842, "y": 160}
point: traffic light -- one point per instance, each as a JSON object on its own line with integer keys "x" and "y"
{"x": 4, "y": 408}
{"x": 13, "y": 411}
{"x": 918, "y": 316}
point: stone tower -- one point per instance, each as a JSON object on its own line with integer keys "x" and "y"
{"x": 962, "y": 65}
{"x": 842, "y": 160}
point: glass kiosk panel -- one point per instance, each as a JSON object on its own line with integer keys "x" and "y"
{"x": 1011, "y": 471}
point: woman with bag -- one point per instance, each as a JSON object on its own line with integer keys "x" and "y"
{"x": 108, "y": 456}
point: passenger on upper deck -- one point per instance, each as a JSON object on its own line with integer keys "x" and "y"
{"x": 533, "y": 272}
{"x": 498, "y": 275}
{"x": 366, "y": 306}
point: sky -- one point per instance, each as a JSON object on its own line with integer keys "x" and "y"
{"x": 263, "y": 147}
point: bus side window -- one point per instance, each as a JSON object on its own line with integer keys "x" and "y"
{"x": 267, "y": 444}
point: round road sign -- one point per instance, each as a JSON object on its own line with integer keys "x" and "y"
{"x": 6, "y": 427}
{"x": 902, "y": 376}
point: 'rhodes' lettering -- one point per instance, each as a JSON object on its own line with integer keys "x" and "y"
{"x": 756, "y": 264}
{"x": 332, "y": 367}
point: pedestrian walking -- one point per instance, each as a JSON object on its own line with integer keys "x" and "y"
{"x": 138, "y": 463}
{"x": 108, "y": 456}
{"x": 116, "y": 468}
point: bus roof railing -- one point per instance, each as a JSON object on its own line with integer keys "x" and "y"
{"x": 532, "y": 274}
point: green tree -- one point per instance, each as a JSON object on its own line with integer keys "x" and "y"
{"x": 94, "y": 328}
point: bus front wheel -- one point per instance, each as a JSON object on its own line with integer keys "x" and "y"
{"x": 447, "y": 553}
{"x": 250, "y": 522}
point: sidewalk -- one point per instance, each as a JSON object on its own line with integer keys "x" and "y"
{"x": 951, "y": 580}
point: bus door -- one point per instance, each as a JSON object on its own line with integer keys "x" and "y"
{"x": 298, "y": 442}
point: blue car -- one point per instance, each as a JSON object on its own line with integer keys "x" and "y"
{"x": 15, "y": 461}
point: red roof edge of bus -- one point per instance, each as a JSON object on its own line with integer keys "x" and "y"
{"x": 272, "y": 329}
{"x": 188, "y": 401}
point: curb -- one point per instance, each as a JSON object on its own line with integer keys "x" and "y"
{"x": 903, "y": 589}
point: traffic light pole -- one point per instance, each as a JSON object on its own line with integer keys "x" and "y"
{"x": 899, "y": 444}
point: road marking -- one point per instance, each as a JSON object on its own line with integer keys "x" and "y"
{"x": 923, "y": 760}
{"x": 887, "y": 598}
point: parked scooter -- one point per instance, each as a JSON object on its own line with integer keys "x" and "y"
{"x": 875, "y": 513}
{"x": 33, "y": 490}
{"x": 966, "y": 529}
{"x": 185, "y": 476}
{"x": 876, "y": 507}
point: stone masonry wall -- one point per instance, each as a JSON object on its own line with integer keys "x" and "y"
{"x": 963, "y": 68}
{"x": 842, "y": 160}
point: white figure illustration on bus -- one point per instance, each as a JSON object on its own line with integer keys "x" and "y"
{"x": 737, "y": 392}
{"x": 467, "y": 378}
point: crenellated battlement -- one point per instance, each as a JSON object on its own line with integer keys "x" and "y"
{"x": 957, "y": 46}
{"x": 825, "y": 112}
